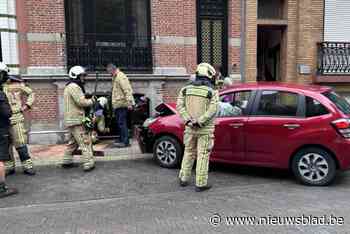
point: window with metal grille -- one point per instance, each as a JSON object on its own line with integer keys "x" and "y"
{"x": 212, "y": 33}
{"x": 104, "y": 31}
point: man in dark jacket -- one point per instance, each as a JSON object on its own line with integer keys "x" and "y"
{"x": 5, "y": 114}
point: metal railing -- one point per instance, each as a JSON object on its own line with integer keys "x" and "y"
{"x": 334, "y": 58}
{"x": 95, "y": 51}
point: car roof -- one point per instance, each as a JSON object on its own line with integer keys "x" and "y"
{"x": 279, "y": 85}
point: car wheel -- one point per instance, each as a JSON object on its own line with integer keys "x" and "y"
{"x": 167, "y": 152}
{"x": 314, "y": 166}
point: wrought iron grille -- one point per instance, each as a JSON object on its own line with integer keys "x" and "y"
{"x": 334, "y": 58}
{"x": 95, "y": 51}
{"x": 212, "y": 8}
{"x": 212, "y": 30}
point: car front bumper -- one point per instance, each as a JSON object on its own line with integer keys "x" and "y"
{"x": 145, "y": 139}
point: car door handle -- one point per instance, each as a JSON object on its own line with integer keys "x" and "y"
{"x": 291, "y": 126}
{"x": 236, "y": 125}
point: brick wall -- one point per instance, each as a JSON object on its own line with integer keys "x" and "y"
{"x": 168, "y": 21}
{"x": 304, "y": 29}
{"x": 174, "y": 21}
{"x": 171, "y": 91}
{"x": 45, "y": 108}
{"x": 46, "y": 54}
{"x": 45, "y": 15}
{"x": 38, "y": 21}
{"x": 190, "y": 30}
{"x": 310, "y": 32}
{"x": 234, "y": 32}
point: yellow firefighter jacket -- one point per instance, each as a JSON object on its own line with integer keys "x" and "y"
{"x": 15, "y": 92}
{"x": 74, "y": 104}
{"x": 122, "y": 94}
{"x": 199, "y": 103}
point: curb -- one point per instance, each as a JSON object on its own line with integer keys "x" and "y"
{"x": 77, "y": 159}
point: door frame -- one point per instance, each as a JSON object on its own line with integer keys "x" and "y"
{"x": 224, "y": 39}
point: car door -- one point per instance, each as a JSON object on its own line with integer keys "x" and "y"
{"x": 274, "y": 126}
{"x": 234, "y": 109}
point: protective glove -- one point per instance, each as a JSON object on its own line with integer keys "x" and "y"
{"x": 192, "y": 124}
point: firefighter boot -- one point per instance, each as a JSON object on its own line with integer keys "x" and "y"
{"x": 27, "y": 162}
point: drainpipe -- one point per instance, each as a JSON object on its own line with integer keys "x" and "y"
{"x": 243, "y": 36}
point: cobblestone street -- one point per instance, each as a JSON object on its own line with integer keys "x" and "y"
{"x": 134, "y": 195}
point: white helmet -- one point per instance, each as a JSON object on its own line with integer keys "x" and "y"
{"x": 205, "y": 69}
{"x": 3, "y": 67}
{"x": 228, "y": 81}
{"x": 75, "y": 71}
{"x": 102, "y": 101}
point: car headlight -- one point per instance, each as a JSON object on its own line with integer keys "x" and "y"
{"x": 149, "y": 121}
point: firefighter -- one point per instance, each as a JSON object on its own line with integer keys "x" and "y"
{"x": 197, "y": 104}
{"x": 74, "y": 115}
{"x": 16, "y": 90}
{"x": 5, "y": 122}
{"x": 99, "y": 118}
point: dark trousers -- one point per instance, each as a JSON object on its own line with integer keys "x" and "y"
{"x": 4, "y": 145}
{"x": 121, "y": 116}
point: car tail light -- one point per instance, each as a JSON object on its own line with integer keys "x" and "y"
{"x": 343, "y": 127}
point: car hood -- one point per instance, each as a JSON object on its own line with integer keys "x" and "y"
{"x": 166, "y": 107}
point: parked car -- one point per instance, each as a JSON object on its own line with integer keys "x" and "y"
{"x": 302, "y": 128}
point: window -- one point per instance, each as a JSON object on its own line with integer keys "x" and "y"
{"x": 104, "y": 31}
{"x": 278, "y": 103}
{"x": 271, "y": 9}
{"x": 339, "y": 101}
{"x": 314, "y": 108}
{"x": 234, "y": 104}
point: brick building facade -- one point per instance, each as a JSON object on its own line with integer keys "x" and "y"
{"x": 157, "y": 42}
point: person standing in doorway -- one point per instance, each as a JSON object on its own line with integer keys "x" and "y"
{"x": 122, "y": 102}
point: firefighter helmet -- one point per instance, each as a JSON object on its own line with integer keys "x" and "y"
{"x": 102, "y": 101}
{"x": 205, "y": 69}
{"x": 76, "y": 71}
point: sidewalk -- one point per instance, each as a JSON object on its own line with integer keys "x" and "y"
{"x": 52, "y": 154}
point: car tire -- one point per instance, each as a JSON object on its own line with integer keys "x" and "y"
{"x": 167, "y": 152}
{"x": 314, "y": 166}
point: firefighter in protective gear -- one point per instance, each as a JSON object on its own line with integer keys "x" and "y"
{"x": 197, "y": 104}
{"x": 99, "y": 118}
{"x": 5, "y": 123}
{"x": 16, "y": 90}
{"x": 74, "y": 114}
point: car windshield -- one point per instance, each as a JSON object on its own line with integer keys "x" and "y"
{"x": 339, "y": 101}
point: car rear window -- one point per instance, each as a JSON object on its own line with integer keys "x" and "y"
{"x": 314, "y": 108}
{"x": 342, "y": 104}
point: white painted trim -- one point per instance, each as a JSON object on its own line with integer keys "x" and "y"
{"x": 45, "y": 37}
{"x": 173, "y": 40}
{"x": 235, "y": 42}
{"x": 170, "y": 71}
{"x": 46, "y": 70}
{"x": 236, "y": 77}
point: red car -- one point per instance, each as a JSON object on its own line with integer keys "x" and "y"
{"x": 302, "y": 128}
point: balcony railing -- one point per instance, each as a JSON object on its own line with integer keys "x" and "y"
{"x": 95, "y": 51}
{"x": 334, "y": 58}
